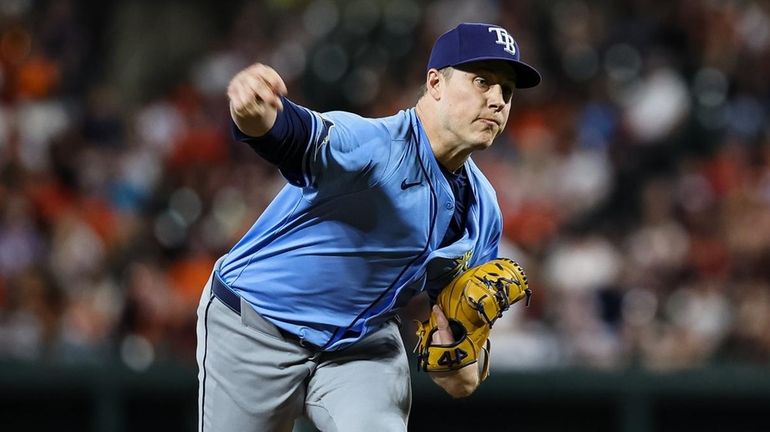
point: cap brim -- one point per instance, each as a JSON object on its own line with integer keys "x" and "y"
{"x": 526, "y": 75}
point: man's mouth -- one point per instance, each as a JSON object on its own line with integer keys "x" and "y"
{"x": 490, "y": 122}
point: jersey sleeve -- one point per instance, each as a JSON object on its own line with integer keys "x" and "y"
{"x": 286, "y": 143}
{"x": 493, "y": 232}
{"x": 311, "y": 149}
{"x": 348, "y": 152}
{"x": 492, "y": 248}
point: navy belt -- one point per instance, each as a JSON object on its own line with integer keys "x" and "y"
{"x": 225, "y": 294}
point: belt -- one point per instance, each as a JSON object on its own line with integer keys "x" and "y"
{"x": 225, "y": 294}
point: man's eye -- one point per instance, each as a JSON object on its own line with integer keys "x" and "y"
{"x": 481, "y": 82}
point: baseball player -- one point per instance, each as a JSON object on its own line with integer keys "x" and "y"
{"x": 300, "y": 316}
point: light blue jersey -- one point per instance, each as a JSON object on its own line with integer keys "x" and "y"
{"x": 358, "y": 234}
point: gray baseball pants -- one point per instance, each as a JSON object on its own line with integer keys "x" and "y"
{"x": 254, "y": 378}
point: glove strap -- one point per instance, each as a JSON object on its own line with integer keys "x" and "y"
{"x": 484, "y": 372}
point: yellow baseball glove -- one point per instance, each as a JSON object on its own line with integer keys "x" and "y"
{"x": 472, "y": 303}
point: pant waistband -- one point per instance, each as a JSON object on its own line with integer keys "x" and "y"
{"x": 233, "y": 301}
{"x": 225, "y": 294}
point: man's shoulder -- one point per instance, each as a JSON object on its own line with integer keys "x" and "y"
{"x": 396, "y": 127}
{"x": 400, "y": 125}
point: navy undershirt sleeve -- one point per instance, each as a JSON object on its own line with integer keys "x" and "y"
{"x": 285, "y": 143}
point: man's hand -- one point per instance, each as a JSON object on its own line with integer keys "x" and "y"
{"x": 442, "y": 336}
{"x": 255, "y": 98}
{"x": 458, "y": 383}
{"x": 473, "y": 301}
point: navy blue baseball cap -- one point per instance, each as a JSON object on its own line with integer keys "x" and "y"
{"x": 472, "y": 42}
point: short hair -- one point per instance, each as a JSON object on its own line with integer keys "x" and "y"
{"x": 447, "y": 72}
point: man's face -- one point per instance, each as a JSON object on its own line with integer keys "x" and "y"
{"x": 475, "y": 102}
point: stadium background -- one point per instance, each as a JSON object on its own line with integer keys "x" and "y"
{"x": 634, "y": 182}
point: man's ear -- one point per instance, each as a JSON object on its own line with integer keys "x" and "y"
{"x": 434, "y": 83}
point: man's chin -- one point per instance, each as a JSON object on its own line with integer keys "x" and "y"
{"x": 485, "y": 142}
{"x": 481, "y": 139}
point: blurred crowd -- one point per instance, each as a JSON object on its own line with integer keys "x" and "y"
{"x": 634, "y": 182}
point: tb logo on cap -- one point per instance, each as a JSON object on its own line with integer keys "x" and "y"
{"x": 504, "y": 39}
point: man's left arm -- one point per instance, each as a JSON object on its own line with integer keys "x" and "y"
{"x": 453, "y": 344}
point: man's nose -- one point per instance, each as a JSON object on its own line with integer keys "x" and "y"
{"x": 496, "y": 99}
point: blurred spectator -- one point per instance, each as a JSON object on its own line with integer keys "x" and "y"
{"x": 634, "y": 184}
